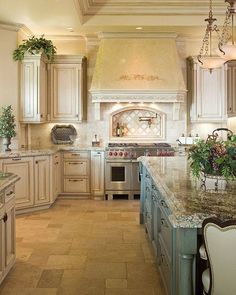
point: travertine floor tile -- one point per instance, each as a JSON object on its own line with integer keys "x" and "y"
{"x": 50, "y": 278}
{"x": 83, "y": 247}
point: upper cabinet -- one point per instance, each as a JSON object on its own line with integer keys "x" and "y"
{"x": 206, "y": 93}
{"x": 231, "y": 88}
{"x": 33, "y": 101}
{"x": 68, "y": 88}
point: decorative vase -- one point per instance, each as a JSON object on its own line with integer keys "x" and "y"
{"x": 7, "y": 142}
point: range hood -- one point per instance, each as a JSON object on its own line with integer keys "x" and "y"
{"x": 138, "y": 67}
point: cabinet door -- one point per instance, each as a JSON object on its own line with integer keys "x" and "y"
{"x": 24, "y": 188}
{"x": 2, "y": 243}
{"x": 231, "y": 89}
{"x": 10, "y": 242}
{"x": 97, "y": 173}
{"x": 42, "y": 188}
{"x": 65, "y": 92}
{"x": 33, "y": 89}
{"x": 210, "y": 100}
{"x": 56, "y": 175}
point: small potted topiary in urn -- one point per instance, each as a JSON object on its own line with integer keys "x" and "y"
{"x": 7, "y": 126}
{"x": 33, "y": 46}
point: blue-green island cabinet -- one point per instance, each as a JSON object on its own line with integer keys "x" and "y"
{"x": 173, "y": 207}
{"x": 175, "y": 248}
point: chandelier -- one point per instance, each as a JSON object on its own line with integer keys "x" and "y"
{"x": 206, "y": 59}
{"x": 227, "y": 46}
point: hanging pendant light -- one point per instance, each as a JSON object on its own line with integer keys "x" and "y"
{"x": 205, "y": 57}
{"x": 227, "y": 44}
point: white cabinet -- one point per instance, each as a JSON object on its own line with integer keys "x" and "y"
{"x": 24, "y": 188}
{"x": 41, "y": 180}
{"x": 206, "y": 93}
{"x": 68, "y": 88}
{"x": 7, "y": 231}
{"x": 231, "y": 88}
{"x": 33, "y": 101}
{"x": 97, "y": 173}
{"x": 56, "y": 175}
{"x": 76, "y": 172}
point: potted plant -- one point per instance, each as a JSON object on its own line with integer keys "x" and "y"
{"x": 215, "y": 160}
{"x": 7, "y": 126}
{"x": 35, "y": 45}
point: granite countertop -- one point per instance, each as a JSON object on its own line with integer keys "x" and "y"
{"x": 189, "y": 204}
{"x": 7, "y": 179}
{"x": 47, "y": 151}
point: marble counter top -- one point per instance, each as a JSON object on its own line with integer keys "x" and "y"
{"x": 7, "y": 179}
{"x": 189, "y": 204}
{"x": 48, "y": 151}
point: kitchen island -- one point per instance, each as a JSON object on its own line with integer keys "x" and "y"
{"x": 173, "y": 207}
{"x": 7, "y": 223}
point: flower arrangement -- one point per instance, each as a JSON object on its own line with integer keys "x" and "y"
{"x": 7, "y": 123}
{"x": 217, "y": 158}
{"x": 34, "y": 46}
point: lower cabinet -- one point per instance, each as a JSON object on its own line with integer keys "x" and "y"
{"x": 97, "y": 173}
{"x": 76, "y": 173}
{"x": 41, "y": 180}
{"x": 24, "y": 188}
{"x": 7, "y": 231}
{"x": 33, "y": 188}
{"x": 175, "y": 247}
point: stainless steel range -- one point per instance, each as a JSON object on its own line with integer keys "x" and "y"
{"x": 122, "y": 169}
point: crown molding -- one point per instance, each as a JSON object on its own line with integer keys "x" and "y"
{"x": 14, "y": 27}
{"x": 135, "y": 35}
{"x": 65, "y": 37}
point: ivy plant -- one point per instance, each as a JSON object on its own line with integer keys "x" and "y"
{"x": 35, "y": 45}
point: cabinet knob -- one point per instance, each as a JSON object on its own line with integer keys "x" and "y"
{"x": 10, "y": 193}
{"x": 16, "y": 159}
{"x": 5, "y": 217}
{"x": 230, "y": 109}
{"x": 36, "y": 162}
{"x": 41, "y": 115}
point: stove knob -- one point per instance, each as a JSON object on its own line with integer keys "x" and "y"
{"x": 125, "y": 154}
{"x": 115, "y": 154}
{"x": 110, "y": 153}
{"x": 120, "y": 154}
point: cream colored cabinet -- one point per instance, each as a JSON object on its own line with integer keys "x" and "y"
{"x": 68, "y": 88}
{"x": 97, "y": 173}
{"x": 24, "y": 188}
{"x": 10, "y": 242}
{"x": 41, "y": 180}
{"x": 7, "y": 231}
{"x": 206, "y": 93}
{"x": 76, "y": 172}
{"x": 33, "y": 101}
{"x": 56, "y": 175}
{"x": 231, "y": 88}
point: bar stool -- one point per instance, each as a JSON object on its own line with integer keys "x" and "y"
{"x": 220, "y": 246}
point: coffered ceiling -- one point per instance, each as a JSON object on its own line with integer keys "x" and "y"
{"x": 74, "y": 17}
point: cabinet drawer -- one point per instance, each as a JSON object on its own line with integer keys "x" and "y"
{"x": 166, "y": 232}
{"x": 76, "y": 155}
{"x": 165, "y": 268}
{"x": 9, "y": 193}
{"x": 164, "y": 207}
{"x": 76, "y": 185}
{"x": 80, "y": 168}
{"x": 148, "y": 224}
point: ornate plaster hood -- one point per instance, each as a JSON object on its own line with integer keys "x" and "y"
{"x": 138, "y": 67}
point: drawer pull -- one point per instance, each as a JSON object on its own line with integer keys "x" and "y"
{"x": 164, "y": 223}
{"x": 75, "y": 180}
{"x": 147, "y": 176}
{"x": 16, "y": 159}
{"x": 75, "y": 154}
{"x": 10, "y": 193}
{"x": 75, "y": 163}
{"x": 163, "y": 203}
{"x": 98, "y": 153}
{"x": 5, "y": 217}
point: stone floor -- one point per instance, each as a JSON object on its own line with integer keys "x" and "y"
{"x": 83, "y": 248}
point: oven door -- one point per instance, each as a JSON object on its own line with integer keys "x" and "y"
{"x": 118, "y": 175}
{"x": 136, "y": 181}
